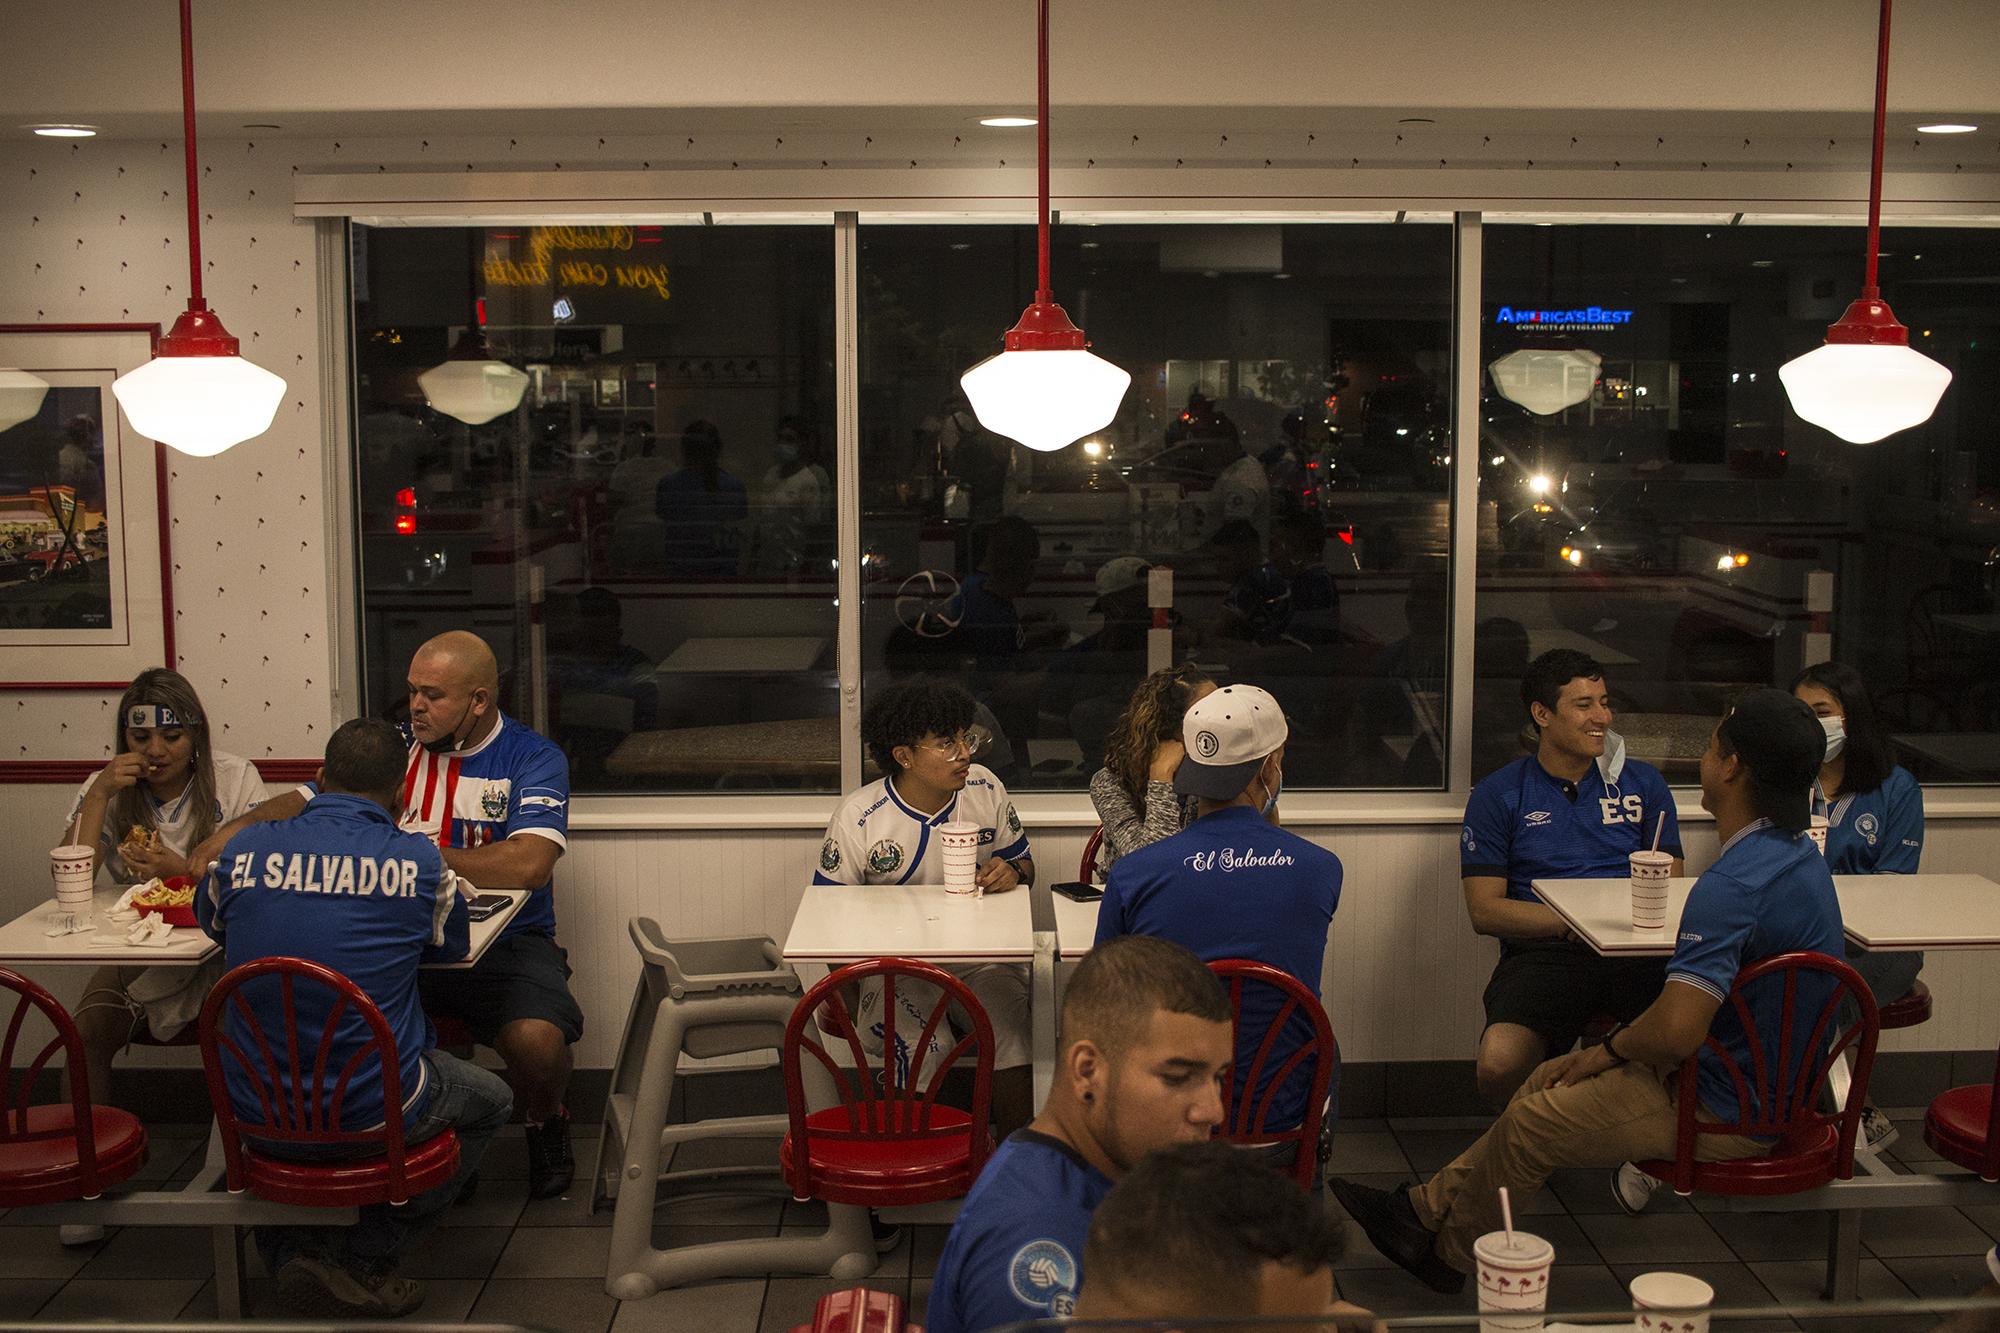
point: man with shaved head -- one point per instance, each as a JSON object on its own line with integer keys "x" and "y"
{"x": 494, "y": 796}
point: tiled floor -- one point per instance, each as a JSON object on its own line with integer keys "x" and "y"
{"x": 500, "y": 1258}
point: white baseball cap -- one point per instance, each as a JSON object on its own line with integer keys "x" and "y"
{"x": 1228, "y": 735}
{"x": 1121, "y": 572}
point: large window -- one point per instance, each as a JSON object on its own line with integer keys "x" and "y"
{"x": 647, "y": 539}
{"x": 1647, "y": 495}
{"x": 1284, "y": 448}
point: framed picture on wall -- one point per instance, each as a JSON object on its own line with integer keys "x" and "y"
{"x": 86, "y": 600}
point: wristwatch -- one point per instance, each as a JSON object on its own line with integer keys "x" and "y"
{"x": 1027, "y": 875}
{"x": 1612, "y": 1051}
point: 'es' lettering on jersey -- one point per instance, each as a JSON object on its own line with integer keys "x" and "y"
{"x": 1622, "y": 810}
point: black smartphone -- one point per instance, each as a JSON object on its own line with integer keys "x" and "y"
{"x": 485, "y": 905}
{"x": 1079, "y": 892}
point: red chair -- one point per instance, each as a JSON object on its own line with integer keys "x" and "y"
{"x": 1248, "y": 1121}
{"x": 53, "y": 1153}
{"x": 858, "y": 1310}
{"x": 1908, "y": 1011}
{"x": 1813, "y": 1146}
{"x": 1086, "y": 869}
{"x": 887, "y": 1142}
{"x": 300, "y": 1094}
{"x": 1963, "y": 1127}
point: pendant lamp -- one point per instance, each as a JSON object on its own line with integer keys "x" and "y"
{"x": 1047, "y": 389}
{"x": 470, "y": 385}
{"x": 1546, "y": 380}
{"x": 21, "y": 396}
{"x": 1867, "y": 382}
{"x": 197, "y": 394}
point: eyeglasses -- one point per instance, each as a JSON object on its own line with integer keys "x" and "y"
{"x": 968, "y": 744}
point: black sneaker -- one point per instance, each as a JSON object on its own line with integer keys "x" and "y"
{"x": 1389, "y": 1221}
{"x": 315, "y": 1286}
{"x": 887, "y": 1234}
{"x": 550, "y": 1166}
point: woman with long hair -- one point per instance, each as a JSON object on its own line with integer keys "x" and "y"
{"x": 1134, "y": 791}
{"x": 165, "y": 790}
{"x": 1874, "y": 814}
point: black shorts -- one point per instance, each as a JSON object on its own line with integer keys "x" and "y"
{"x": 522, "y": 976}
{"x": 1555, "y": 987}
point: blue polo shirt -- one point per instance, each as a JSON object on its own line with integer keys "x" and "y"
{"x": 1016, "y": 1250}
{"x": 1770, "y": 892}
{"x": 337, "y": 885}
{"x": 1230, "y": 885}
{"x": 1878, "y": 832}
{"x": 1523, "y": 823}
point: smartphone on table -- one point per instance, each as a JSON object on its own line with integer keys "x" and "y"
{"x": 1079, "y": 892}
{"x": 484, "y": 905}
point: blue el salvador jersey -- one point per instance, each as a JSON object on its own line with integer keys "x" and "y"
{"x": 1230, "y": 885}
{"x": 1878, "y": 832}
{"x": 1770, "y": 892}
{"x": 876, "y": 839}
{"x": 1523, "y": 823}
{"x": 336, "y": 885}
{"x": 1016, "y": 1250}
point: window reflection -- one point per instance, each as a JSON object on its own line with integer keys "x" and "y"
{"x": 1679, "y": 523}
{"x": 1284, "y": 449}
{"x": 647, "y": 539}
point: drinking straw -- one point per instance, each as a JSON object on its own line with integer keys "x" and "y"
{"x": 1658, "y": 829}
{"x": 1507, "y": 1217}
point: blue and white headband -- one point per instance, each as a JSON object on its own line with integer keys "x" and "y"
{"x": 152, "y": 717}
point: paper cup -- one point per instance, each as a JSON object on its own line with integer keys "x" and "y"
{"x": 1816, "y": 830}
{"x": 1650, "y": 872}
{"x": 75, "y": 875}
{"x": 959, "y": 841}
{"x": 1671, "y": 1303}
{"x": 1513, "y": 1280}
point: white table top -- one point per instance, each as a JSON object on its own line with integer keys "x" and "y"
{"x": 1076, "y": 927}
{"x": 1878, "y": 911}
{"x": 1920, "y": 911}
{"x": 734, "y": 655}
{"x": 1600, "y": 912}
{"x": 843, "y": 923}
{"x": 24, "y": 941}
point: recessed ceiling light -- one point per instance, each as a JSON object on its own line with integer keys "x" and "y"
{"x": 1007, "y": 122}
{"x": 65, "y": 131}
{"x": 1946, "y": 128}
{"x": 1762, "y": 263}
{"x": 1281, "y": 276}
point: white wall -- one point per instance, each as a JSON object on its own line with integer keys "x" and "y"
{"x": 111, "y": 57}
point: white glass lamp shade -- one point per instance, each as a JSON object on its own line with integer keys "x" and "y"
{"x": 21, "y": 396}
{"x": 200, "y": 405}
{"x": 474, "y": 392}
{"x": 1546, "y": 380}
{"x": 1045, "y": 399}
{"x": 1863, "y": 392}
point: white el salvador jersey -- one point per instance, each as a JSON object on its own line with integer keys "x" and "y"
{"x": 876, "y": 839}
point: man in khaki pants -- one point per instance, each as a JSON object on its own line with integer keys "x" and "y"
{"x": 1769, "y": 892}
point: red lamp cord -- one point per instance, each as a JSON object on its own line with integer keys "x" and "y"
{"x": 1869, "y": 290}
{"x": 195, "y": 301}
{"x": 1043, "y": 294}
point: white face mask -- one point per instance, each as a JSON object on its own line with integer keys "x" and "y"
{"x": 1836, "y": 736}
{"x": 1272, "y": 803}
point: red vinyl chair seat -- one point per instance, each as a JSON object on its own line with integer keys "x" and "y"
{"x": 342, "y": 1184}
{"x": 1956, "y": 1124}
{"x": 1908, "y": 1011}
{"x": 46, "y": 1170}
{"x": 1804, "y": 1161}
{"x": 886, "y": 1172}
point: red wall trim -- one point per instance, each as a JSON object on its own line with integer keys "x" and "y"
{"x": 71, "y": 772}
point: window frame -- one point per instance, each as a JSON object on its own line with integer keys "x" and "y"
{"x": 332, "y": 203}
